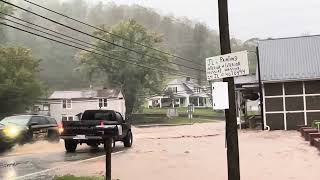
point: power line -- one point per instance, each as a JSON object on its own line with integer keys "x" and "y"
{"x": 62, "y": 38}
{"x": 69, "y": 27}
{"x": 116, "y": 35}
{"x": 111, "y": 58}
{"x": 45, "y": 32}
{"x": 104, "y": 50}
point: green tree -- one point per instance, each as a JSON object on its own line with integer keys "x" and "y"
{"x": 132, "y": 80}
{"x": 19, "y": 87}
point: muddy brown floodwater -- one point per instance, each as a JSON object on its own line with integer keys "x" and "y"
{"x": 198, "y": 152}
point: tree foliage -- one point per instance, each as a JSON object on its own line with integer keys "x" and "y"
{"x": 131, "y": 79}
{"x": 189, "y": 39}
{"x": 19, "y": 87}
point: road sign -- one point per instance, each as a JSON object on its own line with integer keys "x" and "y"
{"x": 220, "y": 98}
{"x": 228, "y": 65}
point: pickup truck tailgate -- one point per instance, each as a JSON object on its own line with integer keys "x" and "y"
{"x": 89, "y": 128}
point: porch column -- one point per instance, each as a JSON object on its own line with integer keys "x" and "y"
{"x": 187, "y": 101}
{"x": 179, "y": 102}
{"x": 198, "y": 101}
{"x": 160, "y": 103}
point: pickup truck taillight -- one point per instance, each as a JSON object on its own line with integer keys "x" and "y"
{"x": 60, "y": 128}
{"x": 101, "y": 123}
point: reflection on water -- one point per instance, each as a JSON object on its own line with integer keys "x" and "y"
{"x": 10, "y": 174}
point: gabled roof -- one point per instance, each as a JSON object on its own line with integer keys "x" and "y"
{"x": 86, "y": 94}
{"x": 286, "y": 59}
{"x": 188, "y": 85}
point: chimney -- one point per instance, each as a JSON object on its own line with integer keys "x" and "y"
{"x": 188, "y": 79}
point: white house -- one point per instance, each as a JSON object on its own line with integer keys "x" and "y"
{"x": 65, "y": 105}
{"x": 185, "y": 92}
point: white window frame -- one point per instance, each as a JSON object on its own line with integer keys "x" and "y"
{"x": 173, "y": 89}
{"x": 197, "y": 89}
{"x": 104, "y": 102}
{"x": 67, "y": 116}
{"x": 47, "y": 107}
{"x": 66, "y": 103}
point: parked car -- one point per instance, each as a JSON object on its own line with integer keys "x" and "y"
{"x": 92, "y": 128}
{"x": 23, "y": 129}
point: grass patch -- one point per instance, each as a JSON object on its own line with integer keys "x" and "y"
{"x": 159, "y": 116}
{"x": 71, "y": 177}
{"x": 207, "y": 112}
{"x": 142, "y": 119}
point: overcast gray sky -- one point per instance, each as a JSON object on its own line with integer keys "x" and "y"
{"x": 247, "y": 18}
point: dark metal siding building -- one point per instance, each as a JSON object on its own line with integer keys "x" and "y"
{"x": 290, "y": 73}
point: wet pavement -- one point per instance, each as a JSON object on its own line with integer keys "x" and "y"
{"x": 27, "y": 163}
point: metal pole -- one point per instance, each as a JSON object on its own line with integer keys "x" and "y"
{"x": 238, "y": 108}
{"x": 260, "y": 90}
{"x": 108, "y": 142}
{"x": 231, "y": 119}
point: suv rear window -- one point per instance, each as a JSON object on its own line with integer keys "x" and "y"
{"x": 52, "y": 120}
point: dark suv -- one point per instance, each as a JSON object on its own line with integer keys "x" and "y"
{"x": 22, "y": 129}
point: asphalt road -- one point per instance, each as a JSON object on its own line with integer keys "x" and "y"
{"x": 25, "y": 162}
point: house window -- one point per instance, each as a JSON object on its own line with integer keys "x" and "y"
{"x": 173, "y": 89}
{"x": 182, "y": 100}
{"x": 66, "y": 104}
{"x": 103, "y": 102}
{"x": 46, "y": 107}
{"x": 196, "y": 90}
{"x": 67, "y": 118}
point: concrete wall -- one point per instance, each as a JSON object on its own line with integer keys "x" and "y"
{"x": 79, "y": 106}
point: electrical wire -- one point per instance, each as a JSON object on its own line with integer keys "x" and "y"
{"x": 104, "y": 50}
{"x": 79, "y": 31}
{"x": 113, "y": 34}
{"x": 111, "y": 58}
{"x": 64, "y": 38}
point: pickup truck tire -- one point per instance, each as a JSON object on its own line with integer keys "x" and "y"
{"x": 113, "y": 144}
{"x": 127, "y": 141}
{"x": 70, "y": 145}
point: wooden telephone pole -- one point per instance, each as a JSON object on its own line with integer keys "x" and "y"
{"x": 231, "y": 119}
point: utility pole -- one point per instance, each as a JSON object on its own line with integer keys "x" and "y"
{"x": 231, "y": 119}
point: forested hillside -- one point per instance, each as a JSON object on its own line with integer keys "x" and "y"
{"x": 59, "y": 67}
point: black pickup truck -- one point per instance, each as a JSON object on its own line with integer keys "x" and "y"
{"x": 93, "y": 127}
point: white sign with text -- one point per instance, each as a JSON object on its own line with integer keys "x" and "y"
{"x": 228, "y": 65}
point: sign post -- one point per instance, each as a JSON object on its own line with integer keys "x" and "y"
{"x": 228, "y": 66}
{"x": 108, "y": 141}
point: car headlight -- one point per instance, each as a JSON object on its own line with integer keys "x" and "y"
{"x": 11, "y": 132}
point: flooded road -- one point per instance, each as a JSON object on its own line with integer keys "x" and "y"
{"x": 35, "y": 161}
